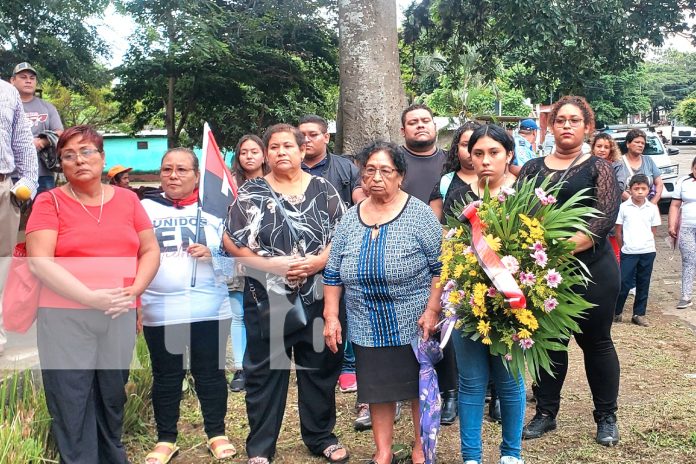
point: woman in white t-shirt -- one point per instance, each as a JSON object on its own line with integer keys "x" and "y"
{"x": 682, "y": 227}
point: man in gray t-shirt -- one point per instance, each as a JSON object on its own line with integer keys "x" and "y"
{"x": 42, "y": 116}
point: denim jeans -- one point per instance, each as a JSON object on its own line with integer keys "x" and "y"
{"x": 348, "y": 366}
{"x": 237, "y": 330}
{"x": 635, "y": 270}
{"x": 476, "y": 365}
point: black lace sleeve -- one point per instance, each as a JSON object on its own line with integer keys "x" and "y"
{"x": 608, "y": 197}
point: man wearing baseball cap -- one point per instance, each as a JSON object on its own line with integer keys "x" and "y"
{"x": 42, "y": 116}
{"x": 525, "y": 142}
{"x": 118, "y": 176}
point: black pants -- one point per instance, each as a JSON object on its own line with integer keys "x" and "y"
{"x": 206, "y": 343}
{"x": 601, "y": 361}
{"x": 447, "y": 375}
{"x": 267, "y": 374}
{"x": 84, "y": 359}
{"x": 635, "y": 272}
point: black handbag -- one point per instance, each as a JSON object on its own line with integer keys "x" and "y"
{"x": 296, "y": 318}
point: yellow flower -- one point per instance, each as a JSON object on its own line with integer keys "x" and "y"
{"x": 526, "y": 317}
{"x": 480, "y": 290}
{"x": 459, "y": 248}
{"x": 483, "y": 328}
{"x": 454, "y": 298}
{"x": 493, "y": 242}
{"x": 487, "y": 341}
{"x": 472, "y": 273}
{"x": 458, "y": 271}
{"x": 524, "y": 333}
{"x": 459, "y": 232}
{"x": 478, "y": 311}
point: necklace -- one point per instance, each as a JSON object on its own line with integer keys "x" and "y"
{"x": 101, "y": 207}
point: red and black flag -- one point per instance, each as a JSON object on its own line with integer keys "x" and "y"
{"x": 217, "y": 189}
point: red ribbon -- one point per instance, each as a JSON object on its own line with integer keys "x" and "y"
{"x": 490, "y": 262}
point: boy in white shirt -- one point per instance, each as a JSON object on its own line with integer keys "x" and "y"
{"x": 635, "y": 233}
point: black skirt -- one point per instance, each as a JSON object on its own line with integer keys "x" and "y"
{"x": 386, "y": 374}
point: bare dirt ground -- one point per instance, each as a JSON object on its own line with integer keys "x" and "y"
{"x": 657, "y": 403}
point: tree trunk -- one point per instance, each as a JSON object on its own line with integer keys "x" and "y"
{"x": 169, "y": 115}
{"x": 371, "y": 95}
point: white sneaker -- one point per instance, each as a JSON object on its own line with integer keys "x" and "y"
{"x": 632, "y": 291}
{"x": 471, "y": 462}
{"x": 510, "y": 460}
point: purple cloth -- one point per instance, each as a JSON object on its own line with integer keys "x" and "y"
{"x": 428, "y": 353}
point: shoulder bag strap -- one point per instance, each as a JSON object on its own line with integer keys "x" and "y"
{"x": 565, "y": 173}
{"x": 286, "y": 218}
{"x": 630, "y": 170}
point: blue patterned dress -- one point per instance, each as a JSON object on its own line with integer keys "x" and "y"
{"x": 387, "y": 279}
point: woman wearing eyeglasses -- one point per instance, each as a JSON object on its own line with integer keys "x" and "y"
{"x": 385, "y": 255}
{"x": 94, "y": 250}
{"x": 573, "y": 120}
{"x": 185, "y": 316}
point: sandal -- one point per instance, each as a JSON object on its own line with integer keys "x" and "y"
{"x": 258, "y": 460}
{"x": 218, "y": 452}
{"x": 331, "y": 449}
{"x": 161, "y": 457}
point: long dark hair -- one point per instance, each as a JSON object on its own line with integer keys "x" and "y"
{"x": 238, "y": 172}
{"x": 495, "y": 132}
{"x": 452, "y": 164}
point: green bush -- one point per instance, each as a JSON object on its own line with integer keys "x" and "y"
{"x": 136, "y": 415}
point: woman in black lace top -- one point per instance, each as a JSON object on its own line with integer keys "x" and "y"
{"x": 572, "y": 119}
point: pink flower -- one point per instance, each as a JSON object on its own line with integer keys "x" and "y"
{"x": 540, "y": 258}
{"x": 538, "y": 246}
{"x": 550, "y": 199}
{"x": 539, "y": 192}
{"x": 553, "y": 278}
{"x": 511, "y": 264}
{"x": 526, "y": 343}
{"x": 449, "y": 286}
{"x": 527, "y": 278}
{"x": 492, "y": 292}
{"x": 550, "y": 304}
{"x": 508, "y": 191}
{"x": 468, "y": 250}
{"x": 451, "y": 232}
{"x": 508, "y": 357}
{"x": 471, "y": 300}
{"x": 501, "y": 197}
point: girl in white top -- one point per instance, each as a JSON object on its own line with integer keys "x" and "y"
{"x": 682, "y": 227}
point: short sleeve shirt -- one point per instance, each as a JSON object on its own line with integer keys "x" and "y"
{"x": 422, "y": 173}
{"x": 637, "y": 223}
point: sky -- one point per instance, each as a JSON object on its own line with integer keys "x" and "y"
{"x": 115, "y": 30}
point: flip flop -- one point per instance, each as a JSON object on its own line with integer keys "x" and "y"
{"x": 163, "y": 458}
{"x": 217, "y": 451}
{"x": 331, "y": 449}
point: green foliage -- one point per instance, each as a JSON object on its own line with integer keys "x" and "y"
{"x": 556, "y": 46}
{"x": 238, "y": 65}
{"x": 24, "y": 421}
{"x": 687, "y": 111}
{"x": 137, "y": 412}
{"x": 56, "y": 38}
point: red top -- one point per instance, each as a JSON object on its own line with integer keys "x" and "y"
{"x": 100, "y": 255}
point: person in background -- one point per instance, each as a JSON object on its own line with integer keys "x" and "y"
{"x": 41, "y": 114}
{"x": 636, "y": 225}
{"x": 425, "y": 161}
{"x": 492, "y": 150}
{"x": 345, "y": 177}
{"x": 572, "y": 119}
{"x": 118, "y": 176}
{"x": 525, "y": 144}
{"x": 682, "y": 228}
{"x": 185, "y": 318}
{"x": 604, "y": 146}
{"x": 94, "y": 250}
{"x": 634, "y": 162}
{"x": 385, "y": 255}
{"x": 278, "y": 266}
{"x": 458, "y": 170}
{"x": 18, "y": 155}
{"x": 249, "y": 163}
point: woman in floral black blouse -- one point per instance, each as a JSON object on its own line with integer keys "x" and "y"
{"x": 259, "y": 235}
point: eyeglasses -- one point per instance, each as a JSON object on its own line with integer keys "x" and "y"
{"x": 71, "y": 156}
{"x": 384, "y": 172}
{"x": 574, "y": 122}
{"x": 180, "y": 172}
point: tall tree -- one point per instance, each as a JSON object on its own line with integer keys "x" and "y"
{"x": 239, "y": 65}
{"x": 55, "y": 37}
{"x": 371, "y": 95}
{"x": 555, "y": 45}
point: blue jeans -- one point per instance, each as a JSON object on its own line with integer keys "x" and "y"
{"x": 635, "y": 271}
{"x": 237, "y": 330}
{"x": 46, "y": 183}
{"x": 348, "y": 366}
{"x": 476, "y": 365}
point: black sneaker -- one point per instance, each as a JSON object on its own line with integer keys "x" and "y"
{"x": 607, "y": 430}
{"x": 538, "y": 426}
{"x": 494, "y": 410}
{"x": 237, "y": 384}
{"x": 449, "y": 407}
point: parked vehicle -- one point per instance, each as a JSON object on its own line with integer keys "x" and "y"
{"x": 683, "y": 134}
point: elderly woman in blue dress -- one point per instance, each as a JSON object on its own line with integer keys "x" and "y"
{"x": 385, "y": 255}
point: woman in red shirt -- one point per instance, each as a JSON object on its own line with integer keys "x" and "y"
{"x": 95, "y": 252}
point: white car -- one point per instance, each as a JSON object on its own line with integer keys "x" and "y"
{"x": 683, "y": 134}
{"x": 661, "y": 156}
